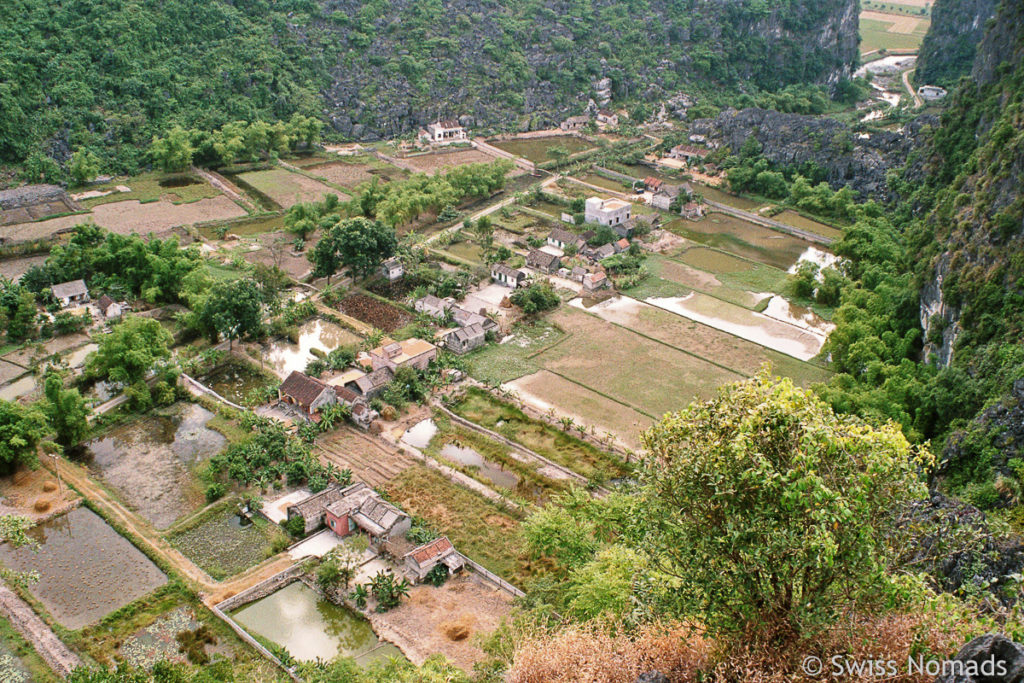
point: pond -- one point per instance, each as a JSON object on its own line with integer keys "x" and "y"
{"x": 235, "y": 380}
{"x": 536, "y": 149}
{"x": 285, "y": 357}
{"x": 76, "y": 358}
{"x": 86, "y": 569}
{"x": 419, "y": 435}
{"x": 23, "y": 386}
{"x": 149, "y": 461}
{"x": 310, "y": 627}
{"x": 467, "y": 457}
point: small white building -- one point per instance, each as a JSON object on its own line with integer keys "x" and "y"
{"x": 392, "y": 269}
{"x": 574, "y": 122}
{"x": 71, "y": 293}
{"x": 931, "y": 93}
{"x": 607, "y": 117}
{"x": 607, "y": 211}
{"x": 504, "y": 275}
{"x": 444, "y": 132}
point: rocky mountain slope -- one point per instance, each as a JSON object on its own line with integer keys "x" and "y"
{"x": 529, "y": 63}
{"x": 948, "y": 50}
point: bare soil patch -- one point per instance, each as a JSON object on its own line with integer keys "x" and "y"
{"x": 381, "y": 315}
{"x": 446, "y": 620}
{"x": 352, "y": 175}
{"x": 22, "y": 490}
{"x": 14, "y": 268}
{"x": 432, "y": 163}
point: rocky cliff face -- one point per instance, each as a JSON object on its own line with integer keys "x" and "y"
{"x": 528, "y": 64}
{"x": 948, "y": 50}
{"x": 859, "y": 160}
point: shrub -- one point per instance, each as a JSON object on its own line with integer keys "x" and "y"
{"x": 215, "y": 491}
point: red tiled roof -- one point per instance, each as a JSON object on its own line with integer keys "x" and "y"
{"x": 302, "y": 388}
{"x": 432, "y": 550}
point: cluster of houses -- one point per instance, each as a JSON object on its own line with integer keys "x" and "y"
{"x": 357, "y": 386}
{"x": 470, "y": 329}
{"x": 664, "y": 194}
{"x": 358, "y": 508}
{"x": 75, "y": 293}
{"x": 604, "y": 118}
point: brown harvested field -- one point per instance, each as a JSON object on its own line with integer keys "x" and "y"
{"x": 276, "y": 250}
{"x": 14, "y": 268}
{"x": 741, "y": 356}
{"x": 449, "y": 620}
{"x": 898, "y": 23}
{"x": 131, "y": 216}
{"x": 375, "y": 312}
{"x": 352, "y": 175}
{"x": 288, "y": 188}
{"x": 544, "y": 390}
{"x": 648, "y": 375}
{"x": 432, "y": 163}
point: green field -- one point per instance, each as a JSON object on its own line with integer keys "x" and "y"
{"x": 875, "y": 35}
{"x": 179, "y": 188}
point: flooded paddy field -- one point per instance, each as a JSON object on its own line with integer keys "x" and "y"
{"x": 286, "y": 188}
{"x": 742, "y": 238}
{"x": 223, "y": 544}
{"x": 790, "y": 217}
{"x": 310, "y": 627}
{"x": 23, "y": 387}
{"x": 536, "y": 149}
{"x": 150, "y": 461}
{"x": 606, "y": 183}
{"x": 722, "y": 197}
{"x": 86, "y": 569}
{"x": 284, "y": 356}
{"x": 244, "y": 228}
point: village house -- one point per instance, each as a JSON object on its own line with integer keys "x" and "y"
{"x": 625, "y": 230}
{"x": 931, "y": 93}
{"x": 692, "y": 210}
{"x": 465, "y": 339}
{"x": 392, "y": 269}
{"x": 363, "y": 415}
{"x": 359, "y": 507}
{"x": 595, "y": 281}
{"x": 504, "y": 275}
{"x": 562, "y": 238}
{"x": 575, "y": 122}
{"x": 687, "y": 153}
{"x": 609, "y": 118}
{"x": 621, "y": 246}
{"x": 543, "y": 261}
{"x": 603, "y": 252}
{"x": 370, "y": 385}
{"x": 665, "y": 195}
{"x": 313, "y": 508}
{"x": 307, "y": 393}
{"x": 607, "y": 211}
{"x": 577, "y": 273}
{"x": 652, "y": 184}
{"x": 433, "y": 306}
{"x": 70, "y": 293}
{"x": 444, "y": 132}
{"x": 416, "y": 353}
{"x": 464, "y": 318}
{"x": 108, "y": 308}
{"x": 418, "y": 562}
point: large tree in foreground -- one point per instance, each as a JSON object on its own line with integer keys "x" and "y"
{"x": 363, "y": 244}
{"x": 127, "y": 353}
{"x": 233, "y": 310}
{"x": 764, "y": 509}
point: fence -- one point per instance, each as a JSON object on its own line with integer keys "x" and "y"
{"x": 491, "y": 576}
{"x": 768, "y": 223}
{"x": 615, "y": 175}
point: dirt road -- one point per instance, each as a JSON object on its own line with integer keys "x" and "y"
{"x": 54, "y": 652}
{"x": 910, "y": 89}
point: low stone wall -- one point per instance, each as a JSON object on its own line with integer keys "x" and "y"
{"x": 262, "y": 589}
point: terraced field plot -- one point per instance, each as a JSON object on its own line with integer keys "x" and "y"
{"x": 288, "y": 189}
{"x": 439, "y": 162}
{"x": 350, "y": 174}
{"x": 882, "y": 30}
{"x": 742, "y": 238}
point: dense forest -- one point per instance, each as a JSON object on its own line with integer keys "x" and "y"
{"x": 106, "y": 76}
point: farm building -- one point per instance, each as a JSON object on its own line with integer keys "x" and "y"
{"x": 307, "y": 393}
{"x": 392, "y": 269}
{"x": 444, "y": 132}
{"x": 687, "y": 153}
{"x": 313, "y": 508}
{"x": 419, "y": 561}
{"x": 543, "y": 261}
{"x": 692, "y": 210}
{"x": 413, "y": 352}
{"x": 433, "y": 306}
{"x": 370, "y": 384}
{"x": 595, "y": 281}
{"x": 464, "y": 318}
{"x": 603, "y": 252}
{"x": 931, "y": 93}
{"x": 665, "y": 195}
{"x": 360, "y": 507}
{"x": 607, "y": 211}
{"x": 363, "y": 415}
{"x": 466, "y": 339}
{"x": 609, "y": 118}
{"x": 575, "y": 122}
{"x": 510, "y": 277}
{"x": 70, "y": 293}
{"x": 109, "y": 309}
{"x": 563, "y": 238}
{"x": 621, "y": 246}
{"x": 652, "y": 184}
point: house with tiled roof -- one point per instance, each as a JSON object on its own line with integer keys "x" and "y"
{"x": 312, "y": 509}
{"x": 70, "y": 293}
{"x": 419, "y": 561}
{"x": 309, "y": 394}
{"x": 465, "y": 339}
{"x": 361, "y": 508}
{"x": 507, "y": 276}
{"x": 543, "y": 261}
{"x": 413, "y": 352}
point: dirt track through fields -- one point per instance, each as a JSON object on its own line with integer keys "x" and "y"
{"x": 54, "y": 652}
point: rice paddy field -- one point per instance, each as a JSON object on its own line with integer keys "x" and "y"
{"x": 536, "y": 149}
{"x": 286, "y": 188}
{"x": 891, "y": 30}
{"x": 224, "y": 544}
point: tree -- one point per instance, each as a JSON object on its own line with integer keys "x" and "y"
{"x": 364, "y": 244}
{"x": 234, "y": 309}
{"x": 484, "y": 230}
{"x": 173, "y": 152}
{"x": 22, "y": 428}
{"x": 388, "y": 590}
{"x": 66, "y": 410}
{"x": 325, "y": 256}
{"x": 536, "y": 298}
{"x": 130, "y": 351}
{"x": 766, "y": 511}
{"x": 85, "y": 166}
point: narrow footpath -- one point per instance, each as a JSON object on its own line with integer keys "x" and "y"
{"x": 54, "y": 652}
